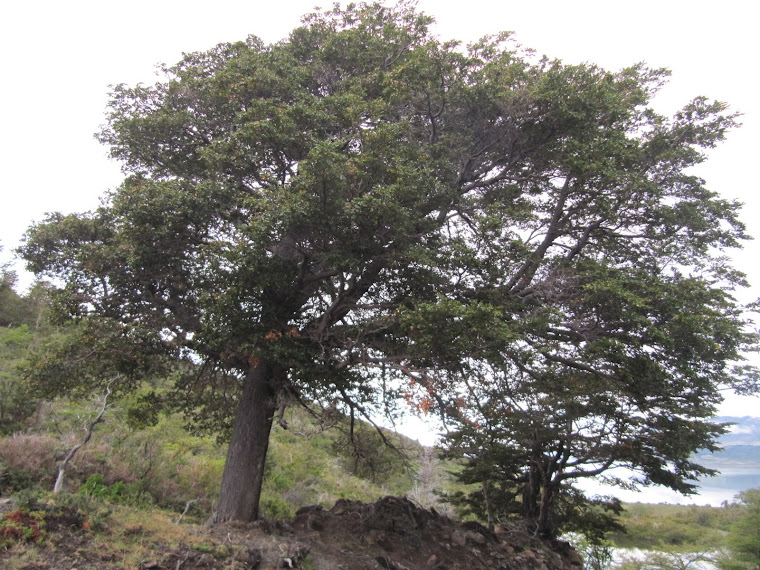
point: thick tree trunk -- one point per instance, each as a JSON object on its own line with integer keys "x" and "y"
{"x": 244, "y": 468}
{"x": 544, "y": 528}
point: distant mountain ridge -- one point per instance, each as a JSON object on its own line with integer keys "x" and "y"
{"x": 741, "y": 447}
{"x": 745, "y": 432}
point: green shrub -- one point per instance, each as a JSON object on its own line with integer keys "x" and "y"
{"x": 274, "y": 507}
{"x": 14, "y": 480}
{"x": 120, "y": 493}
{"x": 16, "y": 404}
{"x": 95, "y": 487}
{"x": 27, "y": 499}
{"x": 743, "y": 540}
{"x": 93, "y": 510}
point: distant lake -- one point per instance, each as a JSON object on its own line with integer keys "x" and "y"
{"x": 726, "y": 485}
{"x": 712, "y": 490}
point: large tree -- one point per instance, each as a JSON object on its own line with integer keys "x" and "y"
{"x": 355, "y": 212}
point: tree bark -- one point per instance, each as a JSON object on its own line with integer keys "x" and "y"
{"x": 547, "y": 499}
{"x": 246, "y": 456}
{"x": 487, "y": 501}
{"x": 530, "y": 494}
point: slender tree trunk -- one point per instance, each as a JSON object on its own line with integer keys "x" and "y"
{"x": 244, "y": 468}
{"x": 530, "y": 494}
{"x": 487, "y": 501}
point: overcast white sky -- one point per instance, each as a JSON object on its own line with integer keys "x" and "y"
{"x": 58, "y": 59}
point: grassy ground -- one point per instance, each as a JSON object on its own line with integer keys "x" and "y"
{"x": 76, "y": 532}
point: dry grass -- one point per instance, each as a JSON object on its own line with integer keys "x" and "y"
{"x": 133, "y": 536}
{"x": 29, "y": 452}
{"x": 23, "y": 556}
{"x": 170, "y": 477}
{"x": 127, "y": 538}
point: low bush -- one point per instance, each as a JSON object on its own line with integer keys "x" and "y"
{"x": 91, "y": 512}
{"x": 163, "y": 465}
{"x": 29, "y": 458}
{"x": 274, "y": 507}
{"x": 13, "y": 480}
{"x": 119, "y": 493}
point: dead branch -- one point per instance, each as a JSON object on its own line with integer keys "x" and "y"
{"x": 88, "y": 434}
{"x": 187, "y": 508}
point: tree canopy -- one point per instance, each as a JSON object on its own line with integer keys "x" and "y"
{"x": 362, "y": 213}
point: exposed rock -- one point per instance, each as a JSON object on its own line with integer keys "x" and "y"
{"x": 475, "y": 537}
{"x": 458, "y": 538}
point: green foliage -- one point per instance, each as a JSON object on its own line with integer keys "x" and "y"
{"x": 27, "y": 499}
{"x": 12, "y": 309}
{"x": 500, "y": 498}
{"x": 673, "y": 528}
{"x": 370, "y": 454}
{"x": 744, "y": 536}
{"x": 597, "y": 555}
{"x": 536, "y": 424}
{"x": 593, "y": 517}
{"x": 160, "y": 464}
{"x": 163, "y": 465}
{"x": 17, "y": 309}
{"x": 16, "y": 404}
{"x": 276, "y": 508}
{"x": 23, "y": 327}
{"x": 94, "y": 511}
{"x": 119, "y": 493}
{"x": 12, "y": 480}
{"x": 312, "y": 469}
